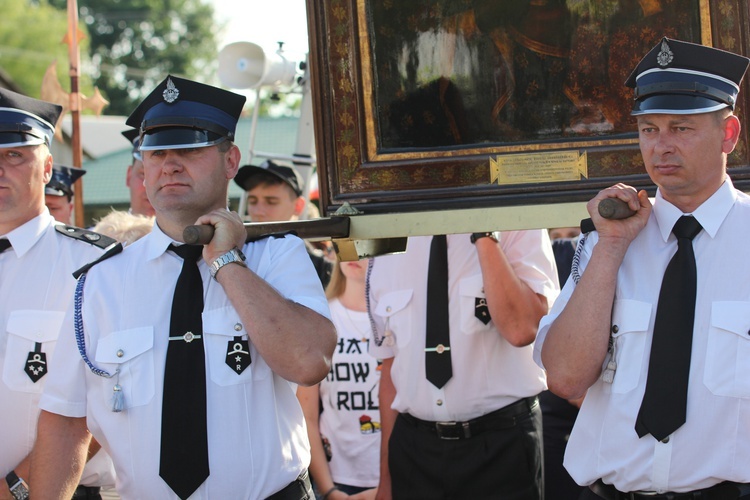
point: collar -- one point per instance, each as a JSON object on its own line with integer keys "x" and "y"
{"x": 157, "y": 243}
{"x": 24, "y": 237}
{"x": 710, "y": 214}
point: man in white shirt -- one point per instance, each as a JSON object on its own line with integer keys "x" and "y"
{"x": 478, "y": 434}
{"x": 665, "y": 413}
{"x": 192, "y": 397}
{"x": 37, "y": 259}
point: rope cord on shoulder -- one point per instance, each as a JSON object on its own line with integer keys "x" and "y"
{"x": 78, "y": 321}
{"x": 575, "y": 272}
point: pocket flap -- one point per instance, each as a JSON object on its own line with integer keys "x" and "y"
{"x": 36, "y": 326}
{"x": 731, "y": 316}
{"x": 392, "y": 302}
{"x": 122, "y": 346}
{"x": 473, "y": 286}
{"x": 630, "y": 316}
{"x": 223, "y": 321}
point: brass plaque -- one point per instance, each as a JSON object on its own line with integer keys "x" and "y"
{"x": 538, "y": 167}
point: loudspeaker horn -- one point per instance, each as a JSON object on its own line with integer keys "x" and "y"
{"x": 245, "y": 65}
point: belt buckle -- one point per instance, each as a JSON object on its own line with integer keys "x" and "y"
{"x": 443, "y": 430}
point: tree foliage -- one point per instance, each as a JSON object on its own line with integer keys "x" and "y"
{"x": 134, "y": 44}
{"x": 31, "y": 38}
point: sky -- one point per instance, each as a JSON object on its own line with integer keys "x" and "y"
{"x": 264, "y": 22}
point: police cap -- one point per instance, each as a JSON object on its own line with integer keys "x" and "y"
{"x": 25, "y": 121}
{"x": 133, "y": 135}
{"x": 63, "y": 178}
{"x": 182, "y": 113}
{"x": 678, "y": 77}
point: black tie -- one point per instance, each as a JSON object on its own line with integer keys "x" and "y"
{"x": 664, "y": 405}
{"x": 184, "y": 443}
{"x": 4, "y": 245}
{"x": 437, "y": 343}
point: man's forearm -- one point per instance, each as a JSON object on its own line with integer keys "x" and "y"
{"x": 58, "y": 457}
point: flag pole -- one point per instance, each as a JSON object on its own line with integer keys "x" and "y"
{"x": 75, "y": 105}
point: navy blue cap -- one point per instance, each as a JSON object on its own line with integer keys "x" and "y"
{"x": 63, "y": 178}
{"x": 134, "y": 136}
{"x": 281, "y": 170}
{"x": 678, "y": 77}
{"x": 182, "y": 113}
{"x": 25, "y": 121}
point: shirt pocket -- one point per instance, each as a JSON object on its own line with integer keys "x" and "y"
{"x": 472, "y": 300}
{"x": 129, "y": 356}
{"x": 395, "y": 316}
{"x": 25, "y": 329}
{"x": 728, "y": 350}
{"x": 220, "y": 327}
{"x": 630, "y": 322}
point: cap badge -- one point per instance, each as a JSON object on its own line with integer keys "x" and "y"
{"x": 665, "y": 55}
{"x": 170, "y": 93}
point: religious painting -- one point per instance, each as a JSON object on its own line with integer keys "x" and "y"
{"x": 433, "y": 104}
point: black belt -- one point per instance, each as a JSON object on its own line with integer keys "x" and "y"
{"x": 299, "y": 489}
{"x": 498, "y": 419}
{"x": 721, "y": 491}
{"x": 87, "y": 493}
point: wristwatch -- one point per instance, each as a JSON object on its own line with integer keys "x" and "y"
{"x": 475, "y": 236}
{"x": 18, "y": 488}
{"x": 235, "y": 256}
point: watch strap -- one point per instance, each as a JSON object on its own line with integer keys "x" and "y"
{"x": 17, "y": 486}
{"x": 475, "y": 236}
{"x": 234, "y": 256}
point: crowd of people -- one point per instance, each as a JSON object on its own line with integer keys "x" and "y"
{"x": 508, "y": 364}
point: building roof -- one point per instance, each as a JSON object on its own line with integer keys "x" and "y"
{"x": 104, "y": 182}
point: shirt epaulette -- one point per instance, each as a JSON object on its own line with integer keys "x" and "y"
{"x": 587, "y": 225}
{"x": 114, "y": 250}
{"x": 96, "y": 239}
{"x": 271, "y": 235}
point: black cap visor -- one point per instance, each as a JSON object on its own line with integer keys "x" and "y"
{"x": 179, "y": 138}
{"x": 672, "y": 104}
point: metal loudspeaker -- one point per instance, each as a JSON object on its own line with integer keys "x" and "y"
{"x": 245, "y": 65}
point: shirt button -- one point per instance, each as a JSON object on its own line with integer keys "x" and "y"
{"x": 237, "y": 327}
{"x": 388, "y": 309}
{"x": 120, "y": 353}
{"x": 665, "y": 440}
{"x": 439, "y": 402}
{"x": 615, "y": 328}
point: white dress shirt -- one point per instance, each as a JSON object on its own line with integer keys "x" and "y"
{"x": 256, "y": 432}
{"x": 714, "y": 444}
{"x": 488, "y": 372}
{"x": 36, "y": 287}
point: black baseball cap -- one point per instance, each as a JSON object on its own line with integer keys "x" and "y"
{"x": 282, "y": 170}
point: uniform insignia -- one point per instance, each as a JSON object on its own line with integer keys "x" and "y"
{"x": 238, "y": 354}
{"x": 96, "y": 239}
{"x": 171, "y": 93}
{"x": 665, "y": 55}
{"x": 36, "y": 363}
{"x": 481, "y": 310}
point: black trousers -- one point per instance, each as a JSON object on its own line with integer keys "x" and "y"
{"x": 504, "y": 462}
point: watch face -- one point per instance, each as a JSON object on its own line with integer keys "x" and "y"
{"x": 19, "y": 491}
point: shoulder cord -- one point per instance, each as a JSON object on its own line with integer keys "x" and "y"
{"x": 373, "y": 327}
{"x": 79, "y": 330}
{"x": 574, "y": 270}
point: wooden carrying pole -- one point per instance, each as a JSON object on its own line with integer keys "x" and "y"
{"x": 75, "y": 105}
